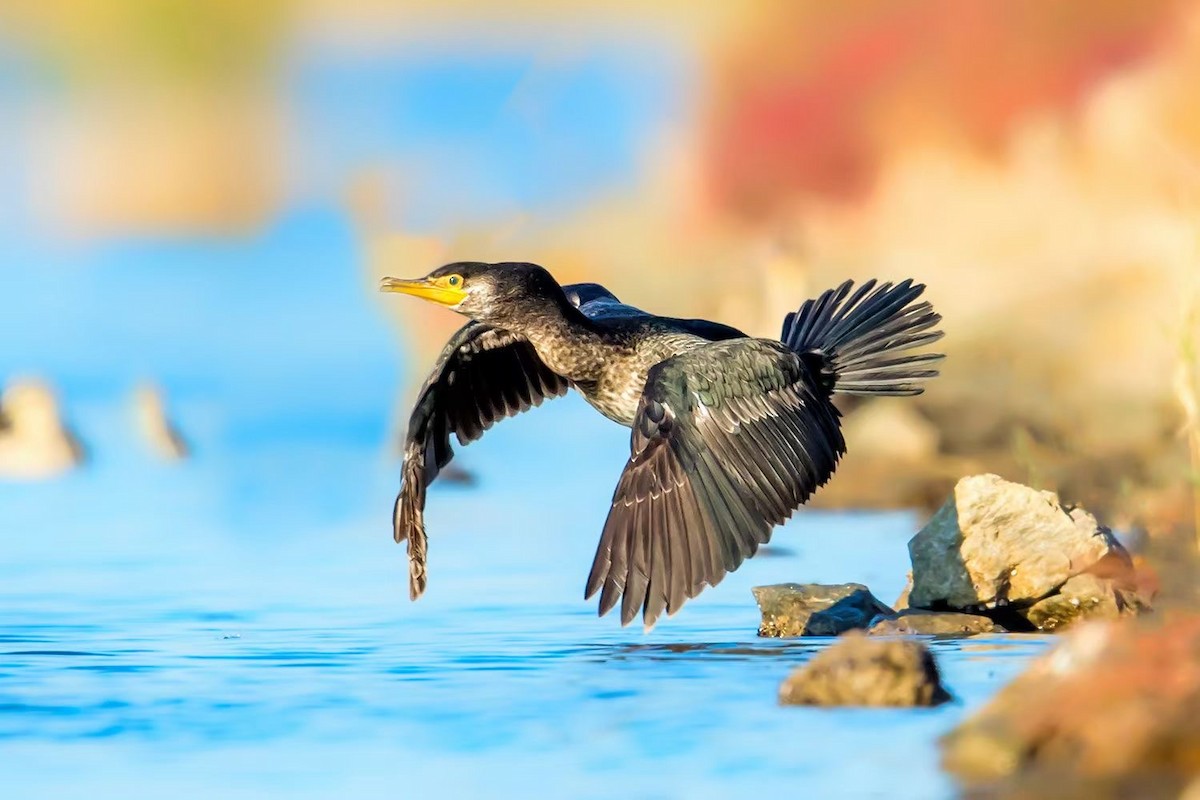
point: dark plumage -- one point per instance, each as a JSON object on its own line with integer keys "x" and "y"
{"x": 730, "y": 434}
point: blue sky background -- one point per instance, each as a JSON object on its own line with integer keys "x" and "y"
{"x": 285, "y": 312}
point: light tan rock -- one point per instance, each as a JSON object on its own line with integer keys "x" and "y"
{"x": 994, "y": 543}
{"x": 34, "y": 442}
{"x": 860, "y": 671}
{"x": 902, "y": 601}
{"x": 153, "y": 425}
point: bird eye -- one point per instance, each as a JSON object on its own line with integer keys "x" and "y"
{"x": 454, "y": 280}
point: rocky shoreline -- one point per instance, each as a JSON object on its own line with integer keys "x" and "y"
{"x": 997, "y": 556}
{"x": 1113, "y": 711}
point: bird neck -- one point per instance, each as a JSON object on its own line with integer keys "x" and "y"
{"x": 565, "y": 340}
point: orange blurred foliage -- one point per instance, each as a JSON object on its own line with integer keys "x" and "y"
{"x": 812, "y": 97}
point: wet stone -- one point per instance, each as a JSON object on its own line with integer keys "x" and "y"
{"x": 917, "y": 621}
{"x": 815, "y": 609}
{"x": 1081, "y": 598}
{"x": 995, "y": 543}
{"x": 861, "y": 671}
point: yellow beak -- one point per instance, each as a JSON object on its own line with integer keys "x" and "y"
{"x": 425, "y": 289}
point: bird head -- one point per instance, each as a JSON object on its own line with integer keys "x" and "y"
{"x": 499, "y": 294}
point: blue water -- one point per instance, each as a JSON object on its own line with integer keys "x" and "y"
{"x": 238, "y": 626}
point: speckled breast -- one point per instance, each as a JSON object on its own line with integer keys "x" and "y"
{"x": 623, "y": 378}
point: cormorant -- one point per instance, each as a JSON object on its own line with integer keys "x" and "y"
{"x": 730, "y": 434}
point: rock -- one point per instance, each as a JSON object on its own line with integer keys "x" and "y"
{"x": 917, "y": 621}
{"x": 1080, "y": 598}
{"x": 156, "y": 429}
{"x": 860, "y": 671}
{"x": 902, "y": 601}
{"x": 1116, "y": 705}
{"x": 815, "y": 609}
{"x": 34, "y": 442}
{"x": 1146, "y": 581}
{"x": 995, "y": 543}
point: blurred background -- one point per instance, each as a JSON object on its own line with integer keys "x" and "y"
{"x": 198, "y": 196}
{"x": 203, "y": 389}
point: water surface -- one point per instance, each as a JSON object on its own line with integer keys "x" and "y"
{"x": 238, "y": 626}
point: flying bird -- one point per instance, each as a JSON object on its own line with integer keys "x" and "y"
{"x": 730, "y": 434}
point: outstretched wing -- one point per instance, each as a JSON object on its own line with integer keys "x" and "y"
{"x": 728, "y": 441}
{"x": 484, "y": 374}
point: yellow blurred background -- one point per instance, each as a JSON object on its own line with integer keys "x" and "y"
{"x": 1036, "y": 164}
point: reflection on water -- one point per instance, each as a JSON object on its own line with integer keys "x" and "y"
{"x": 239, "y": 626}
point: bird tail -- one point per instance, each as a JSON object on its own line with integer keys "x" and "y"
{"x": 858, "y": 342}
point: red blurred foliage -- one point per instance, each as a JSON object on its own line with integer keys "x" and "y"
{"x": 809, "y": 100}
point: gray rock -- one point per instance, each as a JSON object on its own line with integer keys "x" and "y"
{"x": 995, "y": 543}
{"x": 861, "y": 671}
{"x": 815, "y": 609}
{"x": 1080, "y": 598}
{"x": 916, "y": 621}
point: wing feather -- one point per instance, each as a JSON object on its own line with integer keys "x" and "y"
{"x": 729, "y": 440}
{"x": 483, "y": 375}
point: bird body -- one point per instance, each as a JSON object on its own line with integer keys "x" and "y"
{"x": 730, "y": 434}
{"x": 605, "y": 348}
{"x": 614, "y": 384}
